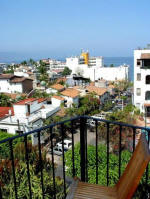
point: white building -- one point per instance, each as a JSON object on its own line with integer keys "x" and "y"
{"x": 71, "y": 96}
{"x": 142, "y": 80}
{"x": 55, "y": 88}
{"x": 57, "y": 100}
{"x": 54, "y": 64}
{"x": 12, "y": 84}
{"x": 25, "y": 116}
{"x": 93, "y": 68}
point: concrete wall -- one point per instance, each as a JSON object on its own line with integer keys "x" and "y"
{"x": 56, "y": 102}
{"x": 6, "y": 86}
{"x": 98, "y": 72}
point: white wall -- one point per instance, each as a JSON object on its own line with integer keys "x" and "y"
{"x": 140, "y": 100}
{"x": 21, "y": 74}
{"x": 56, "y": 102}
{"x": 6, "y": 86}
{"x": 20, "y": 110}
{"x": 71, "y": 101}
{"x": 98, "y": 72}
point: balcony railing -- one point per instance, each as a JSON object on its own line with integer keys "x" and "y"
{"x": 80, "y": 125}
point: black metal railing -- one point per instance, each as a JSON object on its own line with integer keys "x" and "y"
{"x": 75, "y": 123}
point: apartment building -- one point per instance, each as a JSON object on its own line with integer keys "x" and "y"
{"x": 93, "y": 68}
{"x": 84, "y": 61}
{"x": 142, "y": 80}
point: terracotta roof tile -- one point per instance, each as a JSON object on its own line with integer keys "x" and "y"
{"x": 98, "y": 91}
{"x": 41, "y": 100}
{"x": 14, "y": 95}
{"x": 4, "y": 111}
{"x": 25, "y": 101}
{"x": 58, "y": 97}
{"x": 61, "y": 79}
{"x": 145, "y": 56}
{"x": 57, "y": 87}
{"x": 70, "y": 92}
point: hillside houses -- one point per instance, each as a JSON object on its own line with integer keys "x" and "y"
{"x": 26, "y": 115}
{"x": 12, "y": 84}
{"x": 102, "y": 93}
{"x": 71, "y": 97}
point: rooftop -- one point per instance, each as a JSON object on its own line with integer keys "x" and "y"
{"x": 14, "y": 78}
{"x": 6, "y": 76}
{"x": 5, "y": 111}
{"x": 57, "y": 87}
{"x": 58, "y": 97}
{"x": 98, "y": 91}
{"x": 25, "y": 101}
{"x": 69, "y": 92}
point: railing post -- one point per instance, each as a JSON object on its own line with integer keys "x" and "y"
{"x": 83, "y": 149}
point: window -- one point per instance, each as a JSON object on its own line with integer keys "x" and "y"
{"x": 19, "y": 132}
{"x": 138, "y": 76}
{"x": 147, "y": 95}
{"x": 147, "y": 79}
{"x": 3, "y": 130}
{"x": 138, "y": 62}
{"x": 138, "y": 91}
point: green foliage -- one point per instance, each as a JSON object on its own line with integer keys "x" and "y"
{"x": 4, "y": 148}
{"x": 32, "y": 62}
{"x": 5, "y": 100}
{"x": 39, "y": 94}
{"x": 123, "y": 85}
{"x": 6, "y": 177}
{"x": 24, "y": 62}
{"x": 43, "y": 71}
{"x": 112, "y": 65}
{"x": 107, "y": 106}
{"x": 102, "y": 167}
{"x": 102, "y": 164}
{"x": 66, "y": 71}
{"x": 10, "y": 69}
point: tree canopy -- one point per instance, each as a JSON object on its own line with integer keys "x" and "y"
{"x": 66, "y": 71}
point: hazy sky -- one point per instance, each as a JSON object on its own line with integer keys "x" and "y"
{"x": 60, "y": 28}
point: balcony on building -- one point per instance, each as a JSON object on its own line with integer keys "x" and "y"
{"x": 114, "y": 142}
{"x": 144, "y": 61}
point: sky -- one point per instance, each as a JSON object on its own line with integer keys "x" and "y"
{"x": 61, "y": 28}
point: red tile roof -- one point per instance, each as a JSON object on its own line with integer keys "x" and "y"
{"x": 14, "y": 95}
{"x": 70, "y": 92}
{"x": 41, "y": 100}
{"x": 58, "y": 97}
{"x": 57, "y": 87}
{"x": 25, "y": 101}
{"x": 29, "y": 100}
{"x": 4, "y": 111}
{"x": 98, "y": 91}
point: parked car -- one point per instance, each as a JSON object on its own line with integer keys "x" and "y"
{"x": 58, "y": 150}
{"x": 67, "y": 144}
